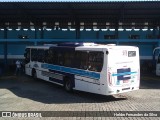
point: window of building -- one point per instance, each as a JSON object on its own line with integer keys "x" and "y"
{"x": 109, "y": 36}
{"x": 134, "y": 36}
{"x": 149, "y": 36}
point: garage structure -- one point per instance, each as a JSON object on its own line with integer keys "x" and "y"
{"x": 36, "y": 22}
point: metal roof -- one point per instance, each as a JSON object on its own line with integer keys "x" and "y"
{"x": 128, "y": 13}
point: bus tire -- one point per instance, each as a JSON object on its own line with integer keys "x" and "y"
{"x": 68, "y": 85}
{"x": 34, "y": 74}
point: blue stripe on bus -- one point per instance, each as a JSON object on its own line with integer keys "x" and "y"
{"x": 72, "y": 71}
{"x": 125, "y": 73}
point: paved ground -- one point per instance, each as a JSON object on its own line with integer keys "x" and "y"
{"x": 25, "y": 94}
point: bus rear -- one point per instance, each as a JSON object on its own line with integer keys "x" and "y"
{"x": 123, "y": 69}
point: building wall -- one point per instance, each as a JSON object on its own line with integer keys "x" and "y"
{"x": 16, "y": 45}
{"x": 59, "y": 34}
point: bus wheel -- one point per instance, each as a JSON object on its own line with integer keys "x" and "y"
{"x": 68, "y": 85}
{"x": 34, "y": 75}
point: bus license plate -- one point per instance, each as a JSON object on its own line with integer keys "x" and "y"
{"x": 125, "y": 81}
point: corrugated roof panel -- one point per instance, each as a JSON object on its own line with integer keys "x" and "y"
{"x": 77, "y": 0}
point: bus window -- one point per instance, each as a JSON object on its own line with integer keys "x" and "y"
{"x": 60, "y": 60}
{"x": 27, "y": 55}
{"x": 49, "y": 56}
{"x": 34, "y": 54}
{"x": 55, "y": 57}
{"x": 68, "y": 58}
{"x": 46, "y": 56}
{"x": 40, "y": 55}
{"x": 81, "y": 60}
{"x": 95, "y": 61}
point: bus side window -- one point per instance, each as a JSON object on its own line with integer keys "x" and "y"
{"x": 51, "y": 57}
{"x": 27, "y": 55}
{"x": 43, "y": 56}
{"x": 34, "y": 54}
{"x": 95, "y": 61}
{"x": 46, "y": 56}
{"x": 57, "y": 58}
{"x": 60, "y": 60}
{"x": 76, "y": 61}
{"x": 68, "y": 58}
{"x": 81, "y": 60}
{"x": 40, "y": 55}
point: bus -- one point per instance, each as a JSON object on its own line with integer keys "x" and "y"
{"x": 95, "y": 68}
{"x": 156, "y": 52}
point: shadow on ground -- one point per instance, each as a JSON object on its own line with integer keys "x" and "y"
{"x": 45, "y": 92}
{"x": 150, "y": 82}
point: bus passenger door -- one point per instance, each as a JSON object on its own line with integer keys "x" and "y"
{"x": 27, "y": 61}
{"x": 28, "y": 69}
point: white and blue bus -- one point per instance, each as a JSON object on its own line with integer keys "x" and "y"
{"x": 94, "y": 68}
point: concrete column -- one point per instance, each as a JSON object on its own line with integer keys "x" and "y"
{"x": 116, "y": 32}
{"x": 42, "y": 33}
{"x": 97, "y": 35}
{"x": 77, "y": 30}
{"x": 5, "y": 50}
{"x": 154, "y": 32}
{"x": 35, "y": 33}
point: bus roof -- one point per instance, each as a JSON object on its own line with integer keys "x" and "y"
{"x": 107, "y": 46}
{"x": 82, "y": 46}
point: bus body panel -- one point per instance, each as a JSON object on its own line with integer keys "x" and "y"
{"x": 27, "y": 70}
{"x": 123, "y": 70}
{"x": 87, "y": 84}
